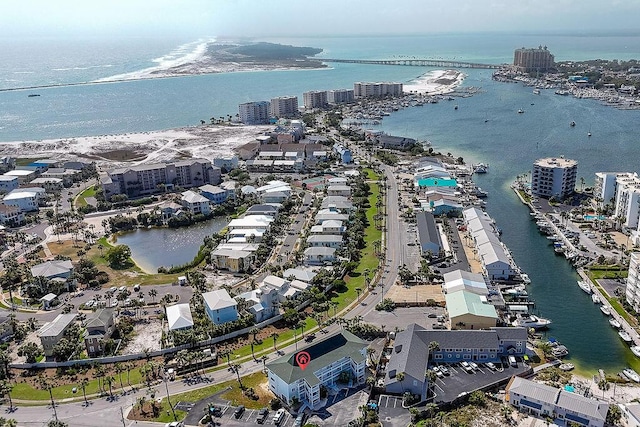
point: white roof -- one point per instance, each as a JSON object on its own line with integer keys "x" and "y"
{"x": 193, "y": 197}
{"x": 273, "y": 281}
{"x": 22, "y": 193}
{"x": 20, "y": 172}
{"x": 179, "y": 316}
{"x": 300, "y": 274}
{"x": 8, "y": 178}
{"x": 463, "y": 280}
{"x": 219, "y": 299}
{"x": 251, "y": 221}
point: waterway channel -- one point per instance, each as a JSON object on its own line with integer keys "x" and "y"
{"x": 487, "y": 128}
{"x": 155, "y": 247}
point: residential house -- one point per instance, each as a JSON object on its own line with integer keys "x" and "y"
{"x": 339, "y": 190}
{"x": 227, "y": 164}
{"x": 230, "y": 188}
{"x": 179, "y": 317}
{"x": 8, "y": 183}
{"x": 468, "y": 310}
{"x": 58, "y": 270}
{"x": 267, "y": 210}
{"x": 24, "y": 176}
{"x": 329, "y": 357}
{"x": 50, "y": 185}
{"x": 99, "y": 327}
{"x": 236, "y": 261}
{"x": 11, "y": 216}
{"x": 300, "y": 274}
{"x": 330, "y": 215}
{"x": 27, "y": 199}
{"x": 195, "y": 203}
{"x": 328, "y": 227}
{"x": 338, "y": 203}
{"x": 560, "y": 405}
{"x": 220, "y": 307}
{"x": 51, "y": 333}
{"x": 213, "y": 193}
{"x": 325, "y": 240}
{"x": 319, "y": 255}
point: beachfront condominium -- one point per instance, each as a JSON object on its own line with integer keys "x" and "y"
{"x": 632, "y": 290}
{"x": 254, "y": 113}
{"x": 340, "y": 96}
{"x": 376, "y": 89}
{"x": 284, "y": 106}
{"x": 315, "y": 99}
{"x": 155, "y": 178}
{"x": 528, "y": 60}
{"x": 554, "y": 177}
{"x": 622, "y": 191}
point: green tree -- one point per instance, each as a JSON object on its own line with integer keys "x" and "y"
{"x": 400, "y": 378}
{"x": 5, "y": 390}
{"x": 477, "y": 398}
{"x": 119, "y": 256}
{"x": 83, "y": 385}
{"x": 614, "y": 415}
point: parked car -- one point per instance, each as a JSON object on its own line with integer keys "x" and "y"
{"x": 300, "y": 419}
{"x": 445, "y": 370}
{"x": 474, "y": 366}
{"x": 432, "y": 315}
{"x": 175, "y": 424}
{"x": 214, "y": 410}
{"x": 122, "y": 288}
{"x": 278, "y": 417}
{"x": 262, "y": 415}
{"x": 491, "y": 366}
{"x": 466, "y": 366}
{"x": 89, "y": 303}
{"x": 239, "y": 411}
{"x": 437, "y": 371}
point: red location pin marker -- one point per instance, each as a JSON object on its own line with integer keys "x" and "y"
{"x": 303, "y": 358}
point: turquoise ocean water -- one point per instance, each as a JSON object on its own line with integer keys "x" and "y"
{"x": 508, "y": 142}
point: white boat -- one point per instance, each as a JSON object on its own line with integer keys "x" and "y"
{"x": 559, "y": 351}
{"x": 584, "y": 286}
{"x": 595, "y": 298}
{"x": 635, "y": 349}
{"x": 613, "y": 322}
{"x": 625, "y": 336}
{"x": 566, "y": 366}
{"x": 525, "y": 278}
{"x": 531, "y": 321}
{"x": 605, "y": 310}
{"x": 631, "y": 374}
{"x": 520, "y": 111}
{"x": 536, "y": 91}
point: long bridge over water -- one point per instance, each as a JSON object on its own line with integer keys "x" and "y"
{"x": 416, "y": 63}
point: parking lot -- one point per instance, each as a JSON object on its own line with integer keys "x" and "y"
{"x": 248, "y": 418}
{"x": 459, "y": 382}
{"x": 391, "y": 413}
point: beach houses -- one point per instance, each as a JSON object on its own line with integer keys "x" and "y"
{"x": 213, "y": 193}
{"x": 233, "y": 260}
{"x": 319, "y": 255}
{"x": 99, "y": 327}
{"x": 57, "y": 270}
{"x": 496, "y": 263}
{"x": 195, "y": 203}
{"x": 558, "y": 404}
{"x": 26, "y": 199}
{"x": 11, "y": 216}
{"x": 220, "y": 307}
{"x": 325, "y": 240}
{"x": 50, "y": 185}
{"x": 51, "y": 333}
{"x": 337, "y": 203}
{"x": 460, "y": 280}
{"x": 329, "y": 358}
{"x": 179, "y": 317}
{"x": 339, "y": 190}
{"x": 24, "y": 176}
{"x": 8, "y": 183}
{"x": 328, "y": 227}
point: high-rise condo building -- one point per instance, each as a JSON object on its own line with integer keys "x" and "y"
{"x": 284, "y": 106}
{"x": 554, "y": 177}
{"x": 315, "y": 99}
{"x": 340, "y": 96}
{"x": 528, "y": 60}
{"x": 254, "y": 113}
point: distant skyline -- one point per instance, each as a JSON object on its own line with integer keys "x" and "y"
{"x": 282, "y": 18}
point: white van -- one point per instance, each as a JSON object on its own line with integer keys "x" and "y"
{"x": 278, "y": 417}
{"x": 513, "y": 362}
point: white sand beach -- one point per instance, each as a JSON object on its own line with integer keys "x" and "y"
{"x": 436, "y": 82}
{"x": 206, "y": 141}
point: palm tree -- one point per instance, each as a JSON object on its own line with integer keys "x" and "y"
{"x": 371, "y": 352}
{"x": 119, "y": 368}
{"x": 506, "y": 411}
{"x": 400, "y": 377}
{"x": 153, "y": 294}
{"x": 275, "y": 336}
{"x": 110, "y": 379}
{"x": 603, "y": 385}
{"x": 254, "y": 332}
{"x": 83, "y": 385}
{"x": 433, "y": 346}
{"x": 5, "y": 390}
{"x": 45, "y": 384}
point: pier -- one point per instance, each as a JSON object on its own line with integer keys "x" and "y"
{"x": 416, "y": 63}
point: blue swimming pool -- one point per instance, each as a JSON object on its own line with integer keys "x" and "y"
{"x": 594, "y": 217}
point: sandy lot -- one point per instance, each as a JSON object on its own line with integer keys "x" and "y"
{"x": 147, "y": 336}
{"x": 205, "y": 141}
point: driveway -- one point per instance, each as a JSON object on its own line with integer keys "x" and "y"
{"x": 391, "y": 413}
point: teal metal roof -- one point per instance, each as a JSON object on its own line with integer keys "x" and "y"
{"x": 462, "y": 302}
{"x": 437, "y": 182}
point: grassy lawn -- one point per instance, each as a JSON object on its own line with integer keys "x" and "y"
{"x": 27, "y": 390}
{"x": 129, "y": 276}
{"x": 80, "y": 200}
{"x": 605, "y": 272}
{"x": 369, "y": 259}
{"x": 24, "y": 161}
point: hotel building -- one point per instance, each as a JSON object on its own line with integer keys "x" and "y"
{"x": 528, "y": 60}
{"x": 340, "y": 96}
{"x": 315, "y": 99}
{"x": 284, "y": 106}
{"x": 376, "y": 89}
{"x": 254, "y": 113}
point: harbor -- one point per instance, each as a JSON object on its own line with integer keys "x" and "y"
{"x": 579, "y": 250}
